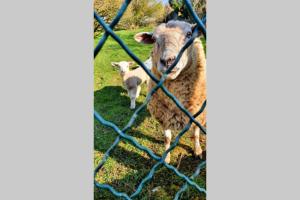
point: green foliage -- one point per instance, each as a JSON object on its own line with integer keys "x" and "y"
{"x": 139, "y": 13}
{"x": 180, "y": 11}
{"x": 146, "y": 12}
{"x": 176, "y": 4}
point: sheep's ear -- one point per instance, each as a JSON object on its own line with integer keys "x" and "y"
{"x": 114, "y": 64}
{"x": 144, "y": 37}
{"x": 194, "y": 27}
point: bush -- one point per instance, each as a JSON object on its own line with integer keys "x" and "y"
{"x": 139, "y": 13}
{"x": 179, "y": 10}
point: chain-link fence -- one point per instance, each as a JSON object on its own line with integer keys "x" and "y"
{"x": 122, "y": 132}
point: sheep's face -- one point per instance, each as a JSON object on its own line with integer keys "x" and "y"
{"x": 122, "y": 66}
{"x": 167, "y": 40}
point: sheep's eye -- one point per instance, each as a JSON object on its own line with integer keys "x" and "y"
{"x": 189, "y": 35}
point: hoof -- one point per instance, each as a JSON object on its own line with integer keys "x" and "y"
{"x": 167, "y": 159}
{"x": 198, "y": 151}
{"x": 201, "y": 156}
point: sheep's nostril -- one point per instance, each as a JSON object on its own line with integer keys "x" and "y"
{"x": 167, "y": 62}
{"x": 170, "y": 61}
{"x": 163, "y": 61}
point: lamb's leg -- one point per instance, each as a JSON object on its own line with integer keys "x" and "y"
{"x": 168, "y": 137}
{"x": 138, "y": 91}
{"x": 198, "y": 149}
{"x": 132, "y": 96}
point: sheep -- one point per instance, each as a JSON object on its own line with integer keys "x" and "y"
{"x": 133, "y": 79}
{"x": 187, "y": 81}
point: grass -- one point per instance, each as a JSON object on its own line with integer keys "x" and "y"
{"x": 127, "y": 165}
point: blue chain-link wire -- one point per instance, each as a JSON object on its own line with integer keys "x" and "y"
{"x": 122, "y": 133}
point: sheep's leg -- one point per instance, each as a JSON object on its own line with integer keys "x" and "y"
{"x": 198, "y": 149}
{"x": 168, "y": 137}
{"x": 132, "y": 96}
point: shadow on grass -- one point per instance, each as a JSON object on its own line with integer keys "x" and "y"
{"x": 164, "y": 184}
{"x": 113, "y": 103}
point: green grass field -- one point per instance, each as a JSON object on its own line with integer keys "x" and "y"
{"x": 127, "y": 166}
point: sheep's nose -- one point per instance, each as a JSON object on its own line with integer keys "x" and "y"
{"x": 167, "y": 61}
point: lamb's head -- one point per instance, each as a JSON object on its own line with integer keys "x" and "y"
{"x": 122, "y": 66}
{"x": 168, "y": 39}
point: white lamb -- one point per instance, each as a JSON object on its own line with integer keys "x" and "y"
{"x": 132, "y": 79}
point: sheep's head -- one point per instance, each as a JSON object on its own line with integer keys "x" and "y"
{"x": 122, "y": 66}
{"x": 167, "y": 40}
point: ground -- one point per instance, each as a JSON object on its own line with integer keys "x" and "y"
{"x": 127, "y": 165}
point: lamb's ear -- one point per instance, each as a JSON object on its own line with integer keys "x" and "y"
{"x": 114, "y": 64}
{"x": 144, "y": 37}
{"x": 131, "y": 63}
